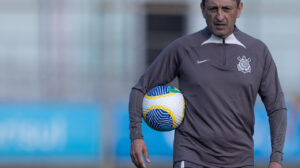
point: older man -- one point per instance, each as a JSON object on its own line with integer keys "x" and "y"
{"x": 221, "y": 70}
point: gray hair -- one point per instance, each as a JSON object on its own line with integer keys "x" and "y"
{"x": 237, "y": 2}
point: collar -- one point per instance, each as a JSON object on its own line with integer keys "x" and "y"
{"x": 231, "y": 39}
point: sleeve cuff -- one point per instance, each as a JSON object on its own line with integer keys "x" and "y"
{"x": 136, "y": 133}
{"x": 276, "y": 157}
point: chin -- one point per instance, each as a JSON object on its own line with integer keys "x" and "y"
{"x": 221, "y": 35}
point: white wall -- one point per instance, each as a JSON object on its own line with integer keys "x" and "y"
{"x": 84, "y": 49}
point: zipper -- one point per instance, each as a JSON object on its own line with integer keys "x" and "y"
{"x": 224, "y": 52}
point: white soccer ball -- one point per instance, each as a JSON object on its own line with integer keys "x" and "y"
{"x": 163, "y": 108}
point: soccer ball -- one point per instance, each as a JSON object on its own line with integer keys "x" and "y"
{"x": 163, "y": 108}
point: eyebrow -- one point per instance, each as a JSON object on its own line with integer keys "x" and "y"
{"x": 227, "y": 7}
{"x": 216, "y": 6}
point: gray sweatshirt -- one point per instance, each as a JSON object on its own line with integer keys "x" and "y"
{"x": 220, "y": 80}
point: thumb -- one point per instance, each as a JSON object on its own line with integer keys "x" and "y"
{"x": 146, "y": 155}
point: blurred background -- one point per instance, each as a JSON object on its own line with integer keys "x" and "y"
{"x": 67, "y": 68}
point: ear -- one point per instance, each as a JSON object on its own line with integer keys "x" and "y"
{"x": 239, "y": 9}
{"x": 202, "y": 9}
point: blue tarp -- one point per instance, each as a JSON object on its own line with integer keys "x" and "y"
{"x": 50, "y": 132}
{"x": 160, "y": 143}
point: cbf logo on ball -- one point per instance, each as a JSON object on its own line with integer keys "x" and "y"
{"x": 244, "y": 64}
{"x": 163, "y": 108}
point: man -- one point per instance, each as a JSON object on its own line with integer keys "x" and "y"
{"x": 220, "y": 71}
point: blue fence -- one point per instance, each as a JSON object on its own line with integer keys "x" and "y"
{"x": 160, "y": 143}
{"x": 72, "y": 133}
{"x": 50, "y": 132}
{"x": 262, "y": 136}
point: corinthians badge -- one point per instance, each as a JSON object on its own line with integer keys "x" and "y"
{"x": 244, "y": 64}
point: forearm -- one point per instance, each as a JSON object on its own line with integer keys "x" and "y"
{"x": 163, "y": 70}
{"x": 278, "y": 123}
{"x": 135, "y": 114}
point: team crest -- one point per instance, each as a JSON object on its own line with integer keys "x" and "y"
{"x": 244, "y": 64}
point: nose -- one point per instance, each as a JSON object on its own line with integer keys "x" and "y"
{"x": 220, "y": 15}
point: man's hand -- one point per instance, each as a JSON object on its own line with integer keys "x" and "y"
{"x": 139, "y": 148}
{"x": 274, "y": 165}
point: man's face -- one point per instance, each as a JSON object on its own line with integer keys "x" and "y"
{"x": 220, "y": 16}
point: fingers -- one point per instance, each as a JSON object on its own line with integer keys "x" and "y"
{"x": 133, "y": 157}
{"x": 137, "y": 159}
{"x": 146, "y": 155}
{"x": 138, "y": 149}
{"x": 140, "y": 160}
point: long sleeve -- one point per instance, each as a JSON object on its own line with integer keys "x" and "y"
{"x": 273, "y": 99}
{"x": 162, "y": 71}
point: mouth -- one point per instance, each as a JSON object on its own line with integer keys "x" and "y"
{"x": 220, "y": 26}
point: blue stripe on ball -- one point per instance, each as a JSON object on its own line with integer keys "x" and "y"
{"x": 159, "y": 119}
{"x": 159, "y": 90}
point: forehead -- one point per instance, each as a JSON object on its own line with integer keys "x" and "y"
{"x": 220, "y": 2}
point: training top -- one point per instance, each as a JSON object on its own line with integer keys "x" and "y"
{"x": 220, "y": 80}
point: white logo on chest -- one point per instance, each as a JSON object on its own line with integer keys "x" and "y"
{"x": 200, "y": 62}
{"x": 244, "y": 64}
